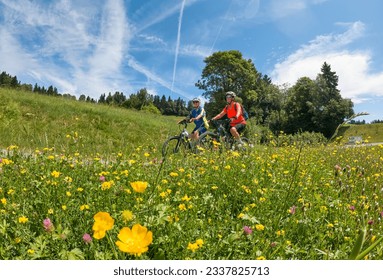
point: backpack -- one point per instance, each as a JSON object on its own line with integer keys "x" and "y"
{"x": 245, "y": 114}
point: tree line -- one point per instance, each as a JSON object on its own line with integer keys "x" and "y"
{"x": 310, "y": 105}
{"x": 141, "y": 100}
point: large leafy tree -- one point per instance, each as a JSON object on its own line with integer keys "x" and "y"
{"x": 317, "y": 105}
{"x": 224, "y": 71}
{"x": 300, "y": 106}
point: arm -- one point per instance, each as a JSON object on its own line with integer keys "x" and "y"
{"x": 220, "y": 115}
{"x": 238, "y": 109}
{"x": 199, "y": 116}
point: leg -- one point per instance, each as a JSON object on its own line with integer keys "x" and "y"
{"x": 236, "y": 130}
{"x": 234, "y": 133}
{"x": 194, "y": 135}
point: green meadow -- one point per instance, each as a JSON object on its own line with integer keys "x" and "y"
{"x": 85, "y": 181}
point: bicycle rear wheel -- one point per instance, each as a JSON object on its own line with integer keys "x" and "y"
{"x": 175, "y": 145}
{"x": 208, "y": 141}
{"x": 242, "y": 147}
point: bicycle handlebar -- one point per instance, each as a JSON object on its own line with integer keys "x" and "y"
{"x": 184, "y": 122}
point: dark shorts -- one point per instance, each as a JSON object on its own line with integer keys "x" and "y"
{"x": 240, "y": 127}
{"x": 200, "y": 129}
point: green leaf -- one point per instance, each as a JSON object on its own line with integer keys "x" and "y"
{"x": 358, "y": 245}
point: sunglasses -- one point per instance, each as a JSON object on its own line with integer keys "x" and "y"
{"x": 195, "y": 101}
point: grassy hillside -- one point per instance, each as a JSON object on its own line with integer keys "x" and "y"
{"x": 33, "y": 121}
{"x": 372, "y": 133}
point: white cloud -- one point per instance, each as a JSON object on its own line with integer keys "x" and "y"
{"x": 355, "y": 78}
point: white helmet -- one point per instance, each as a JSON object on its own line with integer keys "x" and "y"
{"x": 231, "y": 94}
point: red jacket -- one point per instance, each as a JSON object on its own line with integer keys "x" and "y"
{"x": 233, "y": 112}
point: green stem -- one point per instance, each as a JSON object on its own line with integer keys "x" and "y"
{"x": 113, "y": 246}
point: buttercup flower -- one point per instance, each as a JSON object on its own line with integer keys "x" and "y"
{"x": 139, "y": 186}
{"x": 192, "y": 246}
{"x": 196, "y": 245}
{"x": 259, "y": 227}
{"x": 134, "y": 241}
{"x": 102, "y": 222}
{"x": 23, "y": 220}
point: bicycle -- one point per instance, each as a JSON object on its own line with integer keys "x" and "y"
{"x": 179, "y": 143}
{"x": 221, "y": 138}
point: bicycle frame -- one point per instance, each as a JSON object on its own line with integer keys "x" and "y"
{"x": 222, "y": 130}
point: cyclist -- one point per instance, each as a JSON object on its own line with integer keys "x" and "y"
{"x": 233, "y": 110}
{"x": 197, "y": 116}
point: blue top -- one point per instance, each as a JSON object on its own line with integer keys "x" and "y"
{"x": 195, "y": 113}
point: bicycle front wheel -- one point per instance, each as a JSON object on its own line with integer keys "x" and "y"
{"x": 175, "y": 145}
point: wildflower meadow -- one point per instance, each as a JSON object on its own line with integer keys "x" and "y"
{"x": 297, "y": 201}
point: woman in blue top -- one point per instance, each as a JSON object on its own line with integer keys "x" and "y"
{"x": 196, "y": 115}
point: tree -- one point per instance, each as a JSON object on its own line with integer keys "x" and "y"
{"x": 299, "y": 107}
{"x": 317, "y": 105}
{"x": 330, "y": 108}
{"x": 228, "y": 71}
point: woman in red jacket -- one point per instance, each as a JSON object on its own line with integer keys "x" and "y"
{"x": 233, "y": 110}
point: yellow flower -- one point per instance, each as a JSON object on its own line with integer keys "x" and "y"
{"x": 6, "y": 161}
{"x": 139, "y": 186}
{"x": 196, "y": 245}
{"x": 186, "y": 198}
{"x": 23, "y": 220}
{"x": 259, "y": 227}
{"x": 134, "y": 241}
{"x": 199, "y": 242}
{"x": 107, "y": 185}
{"x": 192, "y": 246}
{"x": 127, "y": 215}
{"x": 3, "y": 201}
{"x": 63, "y": 207}
{"x": 55, "y": 174}
{"x": 182, "y": 207}
{"x": 173, "y": 174}
{"x": 84, "y": 207}
{"x": 125, "y": 172}
{"x": 50, "y": 211}
{"x": 261, "y": 258}
{"x": 102, "y": 222}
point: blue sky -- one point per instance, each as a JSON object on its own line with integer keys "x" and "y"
{"x": 93, "y": 47}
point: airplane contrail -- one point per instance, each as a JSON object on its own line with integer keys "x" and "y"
{"x": 178, "y": 43}
{"x": 220, "y": 28}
